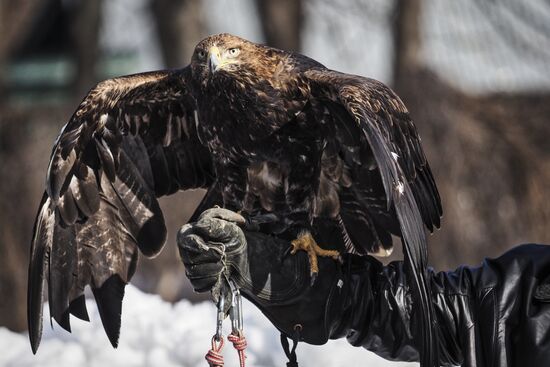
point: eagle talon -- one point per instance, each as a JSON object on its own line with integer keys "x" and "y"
{"x": 306, "y": 243}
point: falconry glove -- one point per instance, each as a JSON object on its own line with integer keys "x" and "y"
{"x": 211, "y": 249}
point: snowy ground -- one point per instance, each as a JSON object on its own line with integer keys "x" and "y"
{"x": 156, "y": 333}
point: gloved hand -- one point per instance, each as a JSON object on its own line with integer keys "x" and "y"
{"x": 211, "y": 249}
{"x": 215, "y": 249}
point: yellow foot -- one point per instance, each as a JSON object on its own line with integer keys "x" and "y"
{"x": 307, "y": 243}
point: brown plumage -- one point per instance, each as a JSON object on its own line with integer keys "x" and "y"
{"x": 264, "y": 130}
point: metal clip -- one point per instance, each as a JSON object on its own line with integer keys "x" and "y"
{"x": 219, "y": 322}
{"x": 235, "y": 312}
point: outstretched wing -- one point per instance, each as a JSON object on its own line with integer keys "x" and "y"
{"x": 131, "y": 140}
{"x": 372, "y": 122}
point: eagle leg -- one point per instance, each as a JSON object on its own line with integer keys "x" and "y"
{"x": 307, "y": 243}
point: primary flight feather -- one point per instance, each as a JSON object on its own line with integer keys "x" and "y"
{"x": 265, "y": 132}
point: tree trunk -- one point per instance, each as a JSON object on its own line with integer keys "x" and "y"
{"x": 282, "y": 22}
{"x": 180, "y": 26}
{"x": 406, "y": 39}
{"x": 86, "y": 21}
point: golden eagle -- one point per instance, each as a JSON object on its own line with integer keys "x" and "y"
{"x": 264, "y": 131}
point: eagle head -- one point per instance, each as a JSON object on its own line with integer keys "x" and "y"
{"x": 224, "y": 56}
{"x": 236, "y": 77}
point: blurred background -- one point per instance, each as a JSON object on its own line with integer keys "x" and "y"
{"x": 475, "y": 75}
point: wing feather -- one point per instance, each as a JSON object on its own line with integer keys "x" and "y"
{"x": 384, "y": 124}
{"x": 77, "y": 307}
{"x": 40, "y": 248}
{"x": 131, "y": 140}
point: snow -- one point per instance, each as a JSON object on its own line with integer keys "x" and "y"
{"x": 157, "y": 333}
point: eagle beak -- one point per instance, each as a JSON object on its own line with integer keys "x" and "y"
{"x": 214, "y": 61}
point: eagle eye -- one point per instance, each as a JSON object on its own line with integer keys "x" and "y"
{"x": 201, "y": 54}
{"x": 233, "y": 52}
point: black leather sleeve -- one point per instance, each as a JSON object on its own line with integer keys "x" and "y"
{"x": 375, "y": 311}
